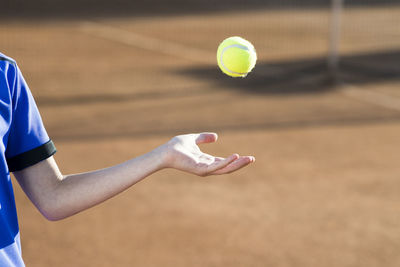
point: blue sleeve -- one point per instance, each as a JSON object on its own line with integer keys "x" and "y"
{"x": 28, "y": 142}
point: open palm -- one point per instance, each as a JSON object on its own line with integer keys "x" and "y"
{"x": 184, "y": 154}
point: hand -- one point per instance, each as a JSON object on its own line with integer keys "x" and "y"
{"x": 182, "y": 153}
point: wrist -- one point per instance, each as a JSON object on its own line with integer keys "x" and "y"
{"x": 160, "y": 157}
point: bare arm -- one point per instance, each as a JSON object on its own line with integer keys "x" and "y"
{"x": 58, "y": 196}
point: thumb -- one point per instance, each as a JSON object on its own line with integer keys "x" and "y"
{"x": 203, "y": 138}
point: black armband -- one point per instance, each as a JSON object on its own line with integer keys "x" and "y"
{"x": 31, "y": 157}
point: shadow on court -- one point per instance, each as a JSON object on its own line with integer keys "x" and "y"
{"x": 63, "y": 9}
{"x": 310, "y": 75}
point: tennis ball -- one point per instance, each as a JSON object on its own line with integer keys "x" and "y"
{"x": 236, "y": 56}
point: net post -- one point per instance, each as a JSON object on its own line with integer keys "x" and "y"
{"x": 334, "y": 37}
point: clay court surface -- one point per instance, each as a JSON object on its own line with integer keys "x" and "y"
{"x": 325, "y": 187}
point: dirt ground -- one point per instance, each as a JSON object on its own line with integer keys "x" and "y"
{"x": 325, "y": 189}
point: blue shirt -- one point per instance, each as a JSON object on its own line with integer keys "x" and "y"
{"x": 23, "y": 143}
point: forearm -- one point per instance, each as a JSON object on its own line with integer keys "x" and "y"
{"x": 70, "y": 194}
{"x": 78, "y": 192}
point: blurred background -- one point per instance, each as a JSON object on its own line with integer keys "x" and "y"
{"x": 320, "y": 112}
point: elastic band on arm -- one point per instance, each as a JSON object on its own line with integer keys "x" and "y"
{"x": 31, "y": 157}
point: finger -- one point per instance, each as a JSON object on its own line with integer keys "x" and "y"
{"x": 222, "y": 163}
{"x": 250, "y": 158}
{"x": 234, "y": 166}
{"x": 241, "y": 162}
{"x": 203, "y": 138}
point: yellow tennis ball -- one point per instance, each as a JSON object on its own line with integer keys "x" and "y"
{"x": 236, "y": 56}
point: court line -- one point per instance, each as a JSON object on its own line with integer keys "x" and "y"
{"x": 148, "y": 43}
{"x": 375, "y": 98}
